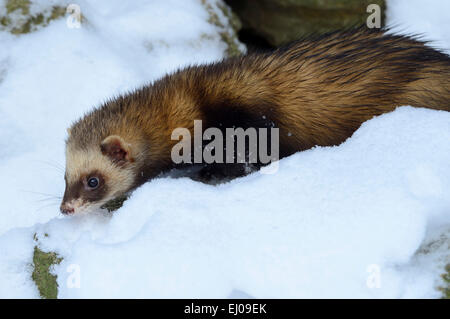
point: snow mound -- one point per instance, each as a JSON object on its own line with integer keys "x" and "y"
{"x": 330, "y": 221}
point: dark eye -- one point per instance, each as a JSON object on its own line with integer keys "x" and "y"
{"x": 93, "y": 182}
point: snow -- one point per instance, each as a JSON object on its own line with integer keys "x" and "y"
{"x": 429, "y": 20}
{"x": 367, "y": 219}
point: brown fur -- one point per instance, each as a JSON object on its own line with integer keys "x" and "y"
{"x": 317, "y": 91}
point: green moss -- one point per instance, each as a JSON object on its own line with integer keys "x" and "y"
{"x": 227, "y": 35}
{"x": 115, "y": 204}
{"x": 233, "y": 48}
{"x": 234, "y": 20}
{"x": 213, "y": 17}
{"x": 58, "y": 12}
{"x": 27, "y": 23}
{"x": 446, "y": 289}
{"x": 5, "y": 21}
{"x": 13, "y": 5}
{"x": 44, "y": 280}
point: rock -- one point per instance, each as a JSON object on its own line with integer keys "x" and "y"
{"x": 228, "y": 24}
{"x": 282, "y": 21}
{"x": 17, "y": 18}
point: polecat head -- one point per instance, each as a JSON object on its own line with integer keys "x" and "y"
{"x": 96, "y": 172}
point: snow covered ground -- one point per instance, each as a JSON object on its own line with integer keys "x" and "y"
{"x": 367, "y": 219}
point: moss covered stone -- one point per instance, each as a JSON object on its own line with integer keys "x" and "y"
{"x": 22, "y": 5}
{"x": 115, "y": 204}
{"x": 42, "y": 277}
{"x": 282, "y": 21}
{"x": 446, "y": 288}
{"x": 228, "y": 31}
{"x": 18, "y": 19}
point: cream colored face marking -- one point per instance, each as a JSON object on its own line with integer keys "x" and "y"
{"x": 80, "y": 163}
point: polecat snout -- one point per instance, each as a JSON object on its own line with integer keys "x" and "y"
{"x": 316, "y": 91}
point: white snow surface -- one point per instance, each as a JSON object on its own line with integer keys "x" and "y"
{"x": 367, "y": 219}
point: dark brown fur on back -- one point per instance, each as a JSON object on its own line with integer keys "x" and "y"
{"x": 317, "y": 90}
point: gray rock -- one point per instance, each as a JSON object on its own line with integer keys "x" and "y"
{"x": 282, "y": 21}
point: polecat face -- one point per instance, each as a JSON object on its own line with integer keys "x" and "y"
{"x": 96, "y": 174}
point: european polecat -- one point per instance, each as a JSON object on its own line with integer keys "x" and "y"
{"x": 316, "y": 91}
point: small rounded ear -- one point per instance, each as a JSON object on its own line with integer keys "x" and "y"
{"x": 116, "y": 149}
